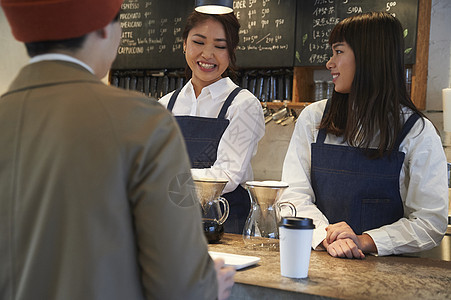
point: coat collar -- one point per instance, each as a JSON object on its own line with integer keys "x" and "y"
{"x": 46, "y": 73}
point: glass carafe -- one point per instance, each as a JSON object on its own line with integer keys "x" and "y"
{"x": 261, "y": 230}
{"x": 213, "y": 217}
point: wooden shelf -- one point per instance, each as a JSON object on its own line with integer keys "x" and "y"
{"x": 290, "y": 104}
{"x": 420, "y": 68}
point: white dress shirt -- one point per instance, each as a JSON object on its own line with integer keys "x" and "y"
{"x": 422, "y": 183}
{"x": 59, "y": 56}
{"x": 239, "y": 141}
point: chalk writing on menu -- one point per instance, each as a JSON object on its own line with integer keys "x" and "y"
{"x": 312, "y": 47}
{"x": 152, "y": 34}
{"x": 266, "y": 33}
{"x": 273, "y": 33}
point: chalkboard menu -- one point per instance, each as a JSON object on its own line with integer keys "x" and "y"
{"x": 274, "y": 33}
{"x": 317, "y": 18}
{"x": 152, "y": 34}
{"x": 267, "y": 33}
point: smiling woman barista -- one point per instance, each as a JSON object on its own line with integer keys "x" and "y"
{"x": 221, "y": 123}
{"x": 366, "y": 165}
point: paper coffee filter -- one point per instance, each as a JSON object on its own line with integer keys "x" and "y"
{"x": 210, "y": 179}
{"x": 208, "y": 189}
{"x": 268, "y": 183}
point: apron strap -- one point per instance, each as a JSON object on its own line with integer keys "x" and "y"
{"x": 227, "y": 103}
{"x": 224, "y": 108}
{"x": 173, "y": 98}
{"x": 406, "y": 129}
{"x": 322, "y": 132}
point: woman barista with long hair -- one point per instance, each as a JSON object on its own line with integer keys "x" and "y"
{"x": 366, "y": 165}
{"x": 221, "y": 123}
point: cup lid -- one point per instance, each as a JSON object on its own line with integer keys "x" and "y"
{"x": 297, "y": 223}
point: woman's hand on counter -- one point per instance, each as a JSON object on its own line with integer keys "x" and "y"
{"x": 341, "y": 230}
{"x": 345, "y": 248}
{"x": 341, "y": 241}
{"x": 225, "y": 276}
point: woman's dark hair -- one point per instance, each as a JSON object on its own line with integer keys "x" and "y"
{"x": 231, "y": 27}
{"x": 378, "y": 91}
{"x": 72, "y": 44}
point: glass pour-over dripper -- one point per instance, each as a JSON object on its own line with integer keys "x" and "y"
{"x": 213, "y": 217}
{"x": 261, "y": 230}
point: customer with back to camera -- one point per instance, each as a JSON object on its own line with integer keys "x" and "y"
{"x": 90, "y": 205}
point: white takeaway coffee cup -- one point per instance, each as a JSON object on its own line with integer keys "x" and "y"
{"x": 295, "y": 236}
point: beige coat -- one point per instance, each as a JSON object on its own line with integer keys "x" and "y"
{"x": 96, "y": 197}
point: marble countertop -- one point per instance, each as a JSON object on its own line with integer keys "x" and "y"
{"x": 390, "y": 277}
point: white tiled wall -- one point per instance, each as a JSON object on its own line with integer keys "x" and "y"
{"x": 439, "y": 70}
{"x": 12, "y": 54}
{"x": 267, "y": 163}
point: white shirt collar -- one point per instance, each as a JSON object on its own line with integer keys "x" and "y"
{"x": 216, "y": 89}
{"x": 59, "y": 56}
{"x": 220, "y": 87}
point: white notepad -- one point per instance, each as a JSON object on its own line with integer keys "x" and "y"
{"x": 235, "y": 260}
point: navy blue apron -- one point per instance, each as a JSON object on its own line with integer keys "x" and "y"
{"x": 351, "y": 187}
{"x": 202, "y": 137}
